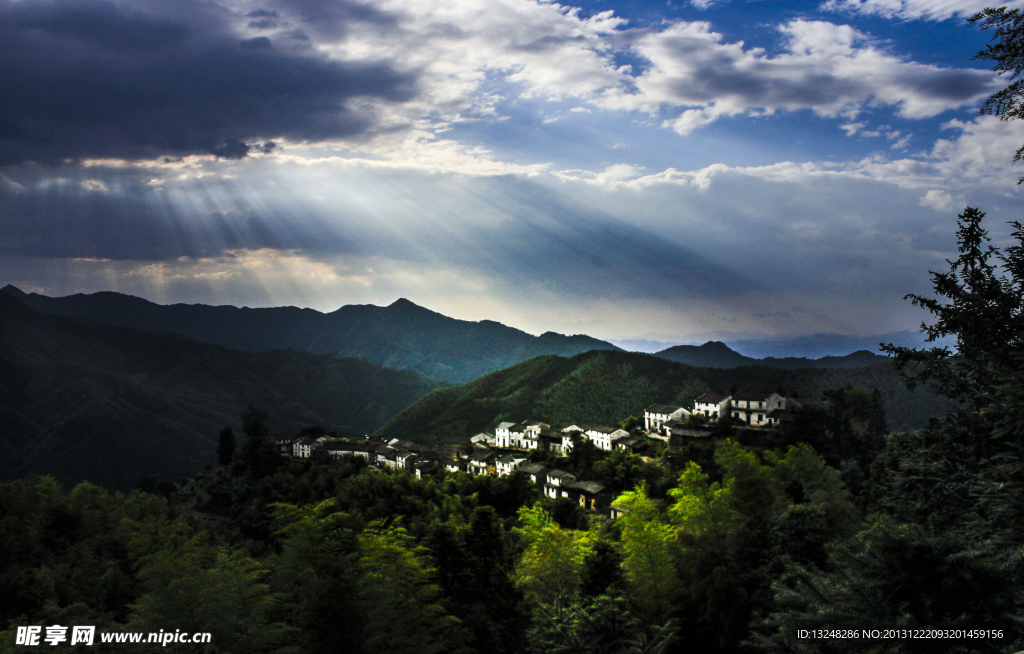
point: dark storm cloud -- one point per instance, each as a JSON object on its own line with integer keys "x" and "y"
{"x": 88, "y": 78}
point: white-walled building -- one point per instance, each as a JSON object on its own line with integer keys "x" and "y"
{"x": 556, "y": 482}
{"x": 519, "y": 436}
{"x": 502, "y": 437}
{"x": 506, "y": 465}
{"x": 303, "y": 448}
{"x": 712, "y": 405}
{"x": 603, "y": 437}
{"x": 657, "y": 415}
{"x": 753, "y": 407}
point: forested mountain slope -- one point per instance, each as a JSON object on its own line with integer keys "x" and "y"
{"x": 82, "y": 400}
{"x": 607, "y": 387}
{"x": 402, "y": 336}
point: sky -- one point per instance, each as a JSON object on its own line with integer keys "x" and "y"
{"x": 621, "y": 168}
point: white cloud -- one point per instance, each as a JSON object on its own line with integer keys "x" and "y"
{"x": 852, "y": 128}
{"x": 94, "y": 185}
{"x": 937, "y": 199}
{"x": 915, "y": 9}
{"x": 833, "y": 70}
{"x": 471, "y": 57}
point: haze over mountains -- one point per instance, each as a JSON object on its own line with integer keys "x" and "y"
{"x": 715, "y": 354}
{"x": 811, "y": 346}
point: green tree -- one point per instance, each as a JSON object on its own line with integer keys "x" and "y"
{"x": 944, "y": 545}
{"x": 258, "y": 451}
{"x": 400, "y": 609}
{"x": 317, "y": 576}
{"x": 475, "y": 570}
{"x": 195, "y": 587}
{"x": 602, "y": 569}
{"x": 1007, "y": 50}
{"x": 649, "y": 545}
{"x": 549, "y": 569}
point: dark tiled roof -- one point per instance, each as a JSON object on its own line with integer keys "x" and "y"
{"x": 591, "y": 487}
{"x": 808, "y": 401}
{"x": 603, "y": 429}
{"x": 711, "y": 398}
{"x": 751, "y": 396}
{"x": 532, "y": 468}
{"x": 663, "y": 408}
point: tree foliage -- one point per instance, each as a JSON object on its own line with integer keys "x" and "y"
{"x": 1007, "y": 50}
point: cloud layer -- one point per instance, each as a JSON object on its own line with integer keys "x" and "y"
{"x": 915, "y": 9}
{"x": 89, "y": 78}
{"x": 96, "y": 78}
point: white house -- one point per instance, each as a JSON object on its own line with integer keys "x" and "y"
{"x": 484, "y": 439}
{"x": 481, "y": 463}
{"x": 603, "y": 437}
{"x": 506, "y": 465}
{"x": 388, "y": 456}
{"x": 557, "y": 482}
{"x": 753, "y": 407}
{"x": 303, "y": 448}
{"x": 502, "y": 437}
{"x": 712, "y": 405}
{"x": 657, "y": 415}
{"x": 520, "y": 436}
{"x": 338, "y": 449}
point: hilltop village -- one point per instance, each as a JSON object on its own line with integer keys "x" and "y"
{"x": 513, "y": 445}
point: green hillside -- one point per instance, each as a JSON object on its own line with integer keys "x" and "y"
{"x": 607, "y": 387}
{"x": 81, "y": 400}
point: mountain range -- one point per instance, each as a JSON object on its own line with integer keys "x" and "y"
{"x": 110, "y": 388}
{"x": 715, "y": 354}
{"x": 83, "y": 400}
{"x": 402, "y": 336}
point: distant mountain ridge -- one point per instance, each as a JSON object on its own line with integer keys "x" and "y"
{"x": 715, "y": 354}
{"x": 401, "y": 336}
{"x": 84, "y": 400}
